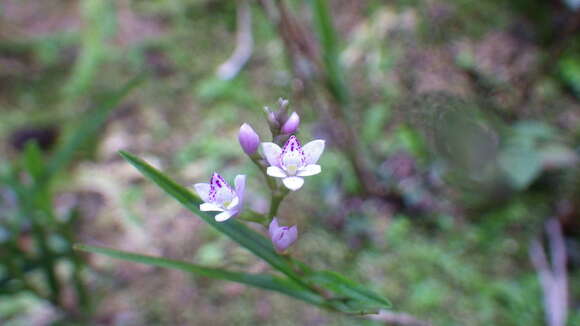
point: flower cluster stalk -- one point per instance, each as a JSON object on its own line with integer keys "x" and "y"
{"x": 284, "y": 158}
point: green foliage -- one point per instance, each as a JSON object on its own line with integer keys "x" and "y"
{"x": 263, "y": 281}
{"x": 474, "y": 293}
{"x": 328, "y": 38}
{"x": 214, "y": 90}
{"x": 99, "y": 19}
{"x": 569, "y": 70}
{"x": 528, "y": 146}
{"x": 28, "y": 206}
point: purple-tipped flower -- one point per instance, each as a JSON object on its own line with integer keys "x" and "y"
{"x": 293, "y": 162}
{"x": 218, "y": 196}
{"x": 291, "y": 125}
{"x": 249, "y": 139}
{"x": 282, "y": 236}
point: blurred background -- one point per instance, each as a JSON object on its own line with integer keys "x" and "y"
{"x": 450, "y": 183}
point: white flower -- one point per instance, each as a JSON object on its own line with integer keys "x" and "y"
{"x": 293, "y": 162}
{"x": 218, "y": 196}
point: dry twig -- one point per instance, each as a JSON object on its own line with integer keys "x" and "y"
{"x": 398, "y": 319}
{"x": 244, "y": 43}
{"x": 554, "y": 278}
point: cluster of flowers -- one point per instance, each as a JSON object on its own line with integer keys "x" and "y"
{"x": 291, "y": 164}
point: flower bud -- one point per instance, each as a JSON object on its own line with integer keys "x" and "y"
{"x": 282, "y": 236}
{"x": 282, "y": 113}
{"x": 249, "y": 139}
{"x": 291, "y": 125}
{"x": 272, "y": 118}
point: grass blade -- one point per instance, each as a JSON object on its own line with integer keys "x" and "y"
{"x": 88, "y": 128}
{"x": 357, "y": 296}
{"x": 330, "y": 51}
{"x": 263, "y": 281}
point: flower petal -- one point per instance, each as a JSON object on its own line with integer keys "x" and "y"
{"x": 272, "y": 153}
{"x": 292, "y": 157}
{"x": 274, "y": 226}
{"x": 293, "y": 183}
{"x": 309, "y": 170}
{"x": 223, "y": 216}
{"x": 234, "y": 203}
{"x": 313, "y": 150}
{"x": 284, "y": 237}
{"x": 240, "y": 184}
{"x": 207, "y": 207}
{"x": 276, "y": 172}
{"x": 202, "y": 190}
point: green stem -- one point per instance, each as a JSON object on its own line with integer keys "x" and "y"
{"x": 275, "y": 201}
{"x": 277, "y": 193}
{"x": 262, "y": 167}
{"x": 78, "y": 264}
{"x": 17, "y": 272}
{"x": 255, "y": 217}
{"x": 47, "y": 261}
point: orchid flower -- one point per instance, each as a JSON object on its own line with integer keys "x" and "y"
{"x": 282, "y": 236}
{"x": 293, "y": 162}
{"x": 218, "y": 196}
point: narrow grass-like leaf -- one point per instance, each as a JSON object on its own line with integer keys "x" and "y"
{"x": 350, "y": 296}
{"x": 235, "y": 230}
{"x": 263, "y": 281}
{"x": 33, "y": 160}
{"x": 99, "y": 22}
{"x": 88, "y": 128}
{"x": 328, "y": 37}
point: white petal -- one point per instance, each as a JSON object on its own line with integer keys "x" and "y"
{"x": 308, "y": 170}
{"x": 293, "y": 183}
{"x": 223, "y": 216}
{"x": 276, "y": 172}
{"x": 202, "y": 190}
{"x": 272, "y": 153}
{"x": 235, "y": 202}
{"x": 207, "y": 207}
{"x": 313, "y": 150}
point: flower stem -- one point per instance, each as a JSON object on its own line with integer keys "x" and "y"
{"x": 275, "y": 201}
{"x": 277, "y": 193}
{"x": 255, "y": 217}
{"x": 271, "y": 182}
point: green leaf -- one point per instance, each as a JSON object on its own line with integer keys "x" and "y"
{"x": 99, "y": 23}
{"x": 33, "y": 160}
{"x": 88, "y": 128}
{"x": 235, "y": 230}
{"x": 328, "y": 36}
{"x": 522, "y": 165}
{"x": 263, "y": 281}
{"x": 351, "y": 297}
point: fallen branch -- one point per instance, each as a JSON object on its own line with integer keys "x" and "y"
{"x": 244, "y": 43}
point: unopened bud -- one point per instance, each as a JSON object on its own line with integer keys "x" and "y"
{"x": 249, "y": 139}
{"x": 282, "y": 236}
{"x": 282, "y": 113}
{"x": 291, "y": 125}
